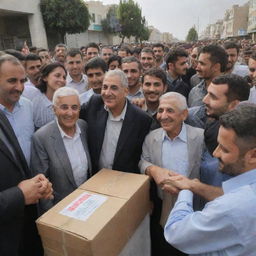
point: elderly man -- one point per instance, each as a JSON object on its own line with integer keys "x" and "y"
{"x": 174, "y": 147}
{"x": 59, "y": 149}
{"x": 227, "y": 225}
{"x": 116, "y": 128}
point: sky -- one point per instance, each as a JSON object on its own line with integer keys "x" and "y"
{"x": 178, "y": 16}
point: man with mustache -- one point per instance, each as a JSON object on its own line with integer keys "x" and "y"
{"x": 60, "y": 52}
{"x": 147, "y": 58}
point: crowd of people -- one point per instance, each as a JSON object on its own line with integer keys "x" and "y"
{"x": 183, "y": 114}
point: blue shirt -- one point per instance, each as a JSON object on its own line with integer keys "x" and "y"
{"x": 226, "y": 226}
{"x": 21, "y": 120}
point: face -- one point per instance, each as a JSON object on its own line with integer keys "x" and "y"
{"x": 252, "y": 70}
{"x": 159, "y": 53}
{"x": 122, "y": 54}
{"x": 91, "y": 53}
{"x": 67, "y": 111}
{"x": 74, "y": 65}
{"x": 12, "y": 79}
{"x": 114, "y": 65}
{"x": 232, "y": 57}
{"x": 45, "y": 57}
{"x": 147, "y": 60}
{"x": 230, "y": 160}
{"x": 153, "y": 88}
{"x": 132, "y": 72}
{"x": 106, "y": 54}
{"x": 113, "y": 93}
{"x": 95, "y": 78}
{"x": 60, "y": 53}
{"x": 204, "y": 66}
{"x": 180, "y": 66}
{"x": 56, "y": 79}
{"x": 216, "y": 101}
{"x": 193, "y": 57}
{"x": 33, "y": 70}
{"x": 170, "y": 116}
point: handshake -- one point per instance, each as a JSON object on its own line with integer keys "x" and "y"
{"x": 38, "y": 187}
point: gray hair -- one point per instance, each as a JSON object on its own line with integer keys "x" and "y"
{"x": 120, "y": 74}
{"x": 64, "y": 91}
{"x": 181, "y": 100}
{"x": 7, "y": 57}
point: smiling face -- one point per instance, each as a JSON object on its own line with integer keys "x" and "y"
{"x": 132, "y": 72}
{"x": 56, "y": 79}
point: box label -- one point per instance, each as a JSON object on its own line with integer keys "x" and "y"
{"x": 83, "y": 206}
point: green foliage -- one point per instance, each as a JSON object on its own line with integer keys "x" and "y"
{"x": 111, "y": 23}
{"x": 192, "y": 35}
{"x": 65, "y": 16}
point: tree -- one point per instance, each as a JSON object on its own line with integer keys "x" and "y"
{"x": 65, "y": 16}
{"x": 192, "y": 35}
{"x": 111, "y": 23}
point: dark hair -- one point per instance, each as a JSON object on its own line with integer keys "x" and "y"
{"x": 155, "y": 72}
{"x": 242, "y": 120}
{"x": 107, "y": 47}
{"x": 42, "y": 50}
{"x": 174, "y": 54}
{"x": 115, "y": 58}
{"x": 253, "y": 56}
{"x": 32, "y": 57}
{"x": 158, "y": 45}
{"x": 73, "y": 53}
{"x": 32, "y": 48}
{"x": 96, "y": 62}
{"x": 147, "y": 50}
{"x": 131, "y": 59}
{"x": 217, "y": 55}
{"x": 136, "y": 50}
{"x": 231, "y": 45}
{"x": 60, "y": 45}
{"x": 125, "y": 49}
{"x": 238, "y": 87}
{"x": 16, "y": 54}
{"x": 45, "y": 72}
{"x": 92, "y": 45}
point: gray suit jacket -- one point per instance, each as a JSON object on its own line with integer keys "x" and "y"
{"x": 152, "y": 155}
{"x": 49, "y": 156}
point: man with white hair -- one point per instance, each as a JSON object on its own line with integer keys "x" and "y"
{"x": 59, "y": 149}
{"x": 116, "y": 128}
{"x": 175, "y": 147}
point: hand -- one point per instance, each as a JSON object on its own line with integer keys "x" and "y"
{"x": 139, "y": 102}
{"x": 46, "y": 187}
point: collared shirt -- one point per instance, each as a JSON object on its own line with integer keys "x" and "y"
{"x": 85, "y": 96}
{"x": 240, "y": 70}
{"x": 80, "y": 86}
{"x": 252, "y": 96}
{"x": 197, "y": 117}
{"x": 76, "y": 154}
{"x": 139, "y": 94}
{"x": 30, "y": 92}
{"x": 112, "y": 132}
{"x": 21, "y": 120}
{"x": 196, "y": 95}
{"x": 226, "y": 226}
{"x": 175, "y": 152}
{"x": 43, "y": 110}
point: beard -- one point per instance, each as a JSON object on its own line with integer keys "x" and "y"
{"x": 233, "y": 169}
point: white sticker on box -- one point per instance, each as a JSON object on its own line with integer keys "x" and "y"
{"x": 83, "y": 206}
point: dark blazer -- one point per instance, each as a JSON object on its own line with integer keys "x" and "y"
{"x": 18, "y": 235}
{"x": 136, "y": 126}
{"x": 49, "y": 156}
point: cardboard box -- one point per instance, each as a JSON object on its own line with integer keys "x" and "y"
{"x": 100, "y": 226}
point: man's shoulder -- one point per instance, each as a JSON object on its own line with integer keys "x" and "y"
{"x": 136, "y": 111}
{"x": 46, "y": 131}
{"x": 194, "y": 131}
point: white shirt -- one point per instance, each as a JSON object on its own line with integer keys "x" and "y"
{"x": 76, "y": 154}
{"x": 80, "y": 86}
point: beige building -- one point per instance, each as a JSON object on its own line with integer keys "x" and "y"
{"x": 167, "y": 38}
{"x": 21, "y": 21}
{"x": 252, "y": 19}
{"x": 155, "y": 35}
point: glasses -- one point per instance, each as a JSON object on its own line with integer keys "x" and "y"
{"x": 252, "y": 70}
{"x": 66, "y": 107}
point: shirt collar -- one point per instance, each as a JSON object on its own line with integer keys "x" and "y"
{"x": 118, "y": 118}
{"x": 18, "y": 105}
{"x": 64, "y": 135}
{"x": 182, "y": 135}
{"x": 69, "y": 79}
{"x": 243, "y": 179}
{"x": 138, "y": 93}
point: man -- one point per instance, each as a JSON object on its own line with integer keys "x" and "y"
{"x": 17, "y": 109}
{"x": 91, "y": 50}
{"x": 177, "y": 147}
{"x": 147, "y": 58}
{"x": 212, "y": 62}
{"x": 45, "y": 56}
{"x": 95, "y": 70}
{"x": 177, "y": 65}
{"x": 232, "y": 50}
{"x": 74, "y": 65}
{"x": 133, "y": 69}
{"x": 158, "y": 50}
{"x": 18, "y": 191}
{"x": 116, "y": 128}
{"x": 59, "y": 149}
{"x": 60, "y": 52}
{"x": 252, "y": 77}
{"x": 106, "y": 53}
{"x": 124, "y": 51}
{"x": 227, "y": 225}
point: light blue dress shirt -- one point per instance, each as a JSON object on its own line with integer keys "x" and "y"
{"x": 21, "y": 120}
{"x": 85, "y": 96}
{"x": 226, "y": 226}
